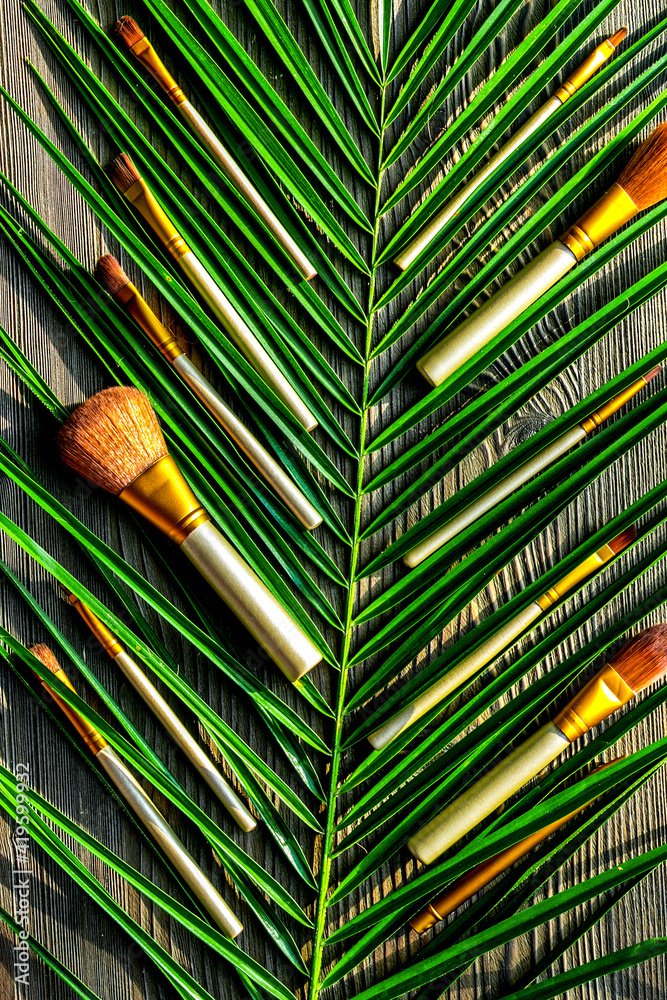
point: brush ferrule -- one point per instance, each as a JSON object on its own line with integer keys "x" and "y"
{"x": 143, "y": 199}
{"x": 575, "y": 576}
{"x": 143, "y": 315}
{"x": 107, "y": 639}
{"x": 608, "y": 214}
{"x": 585, "y": 71}
{"x": 91, "y": 737}
{"x": 162, "y": 496}
{"x": 615, "y": 404}
{"x": 144, "y": 52}
{"x": 602, "y": 696}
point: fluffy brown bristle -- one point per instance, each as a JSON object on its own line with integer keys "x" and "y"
{"x": 615, "y": 39}
{"x": 653, "y": 373}
{"x": 624, "y": 539}
{"x": 643, "y": 659}
{"x": 112, "y": 438}
{"x": 123, "y": 173}
{"x": 128, "y": 31}
{"x": 645, "y": 176}
{"x": 44, "y": 654}
{"x": 110, "y": 274}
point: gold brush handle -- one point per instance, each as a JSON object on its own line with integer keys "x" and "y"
{"x": 244, "y": 338}
{"x": 232, "y": 170}
{"x": 494, "y": 496}
{"x": 287, "y": 490}
{"x": 152, "y": 697}
{"x": 157, "y": 826}
{"x": 455, "y": 677}
{"x": 253, "y": 604}
{"x": 515, "y": 296}
{"x": 491, "y": 791}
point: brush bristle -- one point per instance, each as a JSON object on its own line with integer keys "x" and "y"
{"x": 110, "y": 274}
{"x": 654, "y": 372}
{"x": 112, "y": 438}
{"x": 643, "y": 659}
{"x": 645, "y": 176}
{"x": 128, "y": 31}
{"x": 624, "y": 539}
{"x": 44, "y": 654}
{"x": 123, "y": 173}
{"x": 618, "y": 36}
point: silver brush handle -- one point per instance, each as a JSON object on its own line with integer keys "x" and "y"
{"x": 494, "y": 496}
{"x": 455, "y": 677}
{"x": 515, "y": 296}
{"x": 245, "y": 339}
{"x": 152, "y": 697}
{"x": 253, "y": 604}
{"x": 491, "y": 791}
{"x": 451, "y": 207}
{"x": 162, "y": 833}
{"x": 287, "y": 490}
{"x": 232, "y": 170}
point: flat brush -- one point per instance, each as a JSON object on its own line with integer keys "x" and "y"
{"x": 132, "y": 792}
{"x": 494, "y": 645}
{"x": 481, "y": 875}
{"x": 115, "y": 441}
{"x": 416, "y": 555}
{"x": 111, "y": 276}
{"x": 639, "y": 663}
{"x": 125, "y": 176}
{"x": 156, "y": 703}
{"x": 133, "y": 37}
{"x": 574, "y": 82}
{"x": 642, "y": 183}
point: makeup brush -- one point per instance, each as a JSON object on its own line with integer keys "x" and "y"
{"x": 507, "y": 486}
{"x": 642, "y": 183}
{"x": 494, "y": 645}
{"x": 639, "y": 663}
{"x": 115, "y": 441}
{"x": 112, "y": 277}
{"x": 574, "y": 82}
{"x": 132, "y": 792}
{"x": 481, "y": 875}
{"x": 125, "y": 176}
{"x": 132, "y": 36}
{"x": 154, "y": 700}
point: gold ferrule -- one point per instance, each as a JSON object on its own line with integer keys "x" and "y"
{"x": 615, "y": 404}
{"x": 144, "y": 52}
{"x": 608, "y": 214}
{"x": 606, "y": 693}
{"x": 143, "y": 199}
{"x": 163, "y": 497}
{"x": 585, "y": 71}
{"x": 104, "y": 635}
{"x": 575, "y": 576}
{"x": 91, "y": 737}
{"x": 143, "y": 316}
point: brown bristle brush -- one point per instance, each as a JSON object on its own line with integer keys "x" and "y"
{"x": 641, "y": 661}
{"x": 140, "y": 803}
{"x": 111, "y": 276}
{"x": 115, "y": 441}
{"x": 642, "y": 183}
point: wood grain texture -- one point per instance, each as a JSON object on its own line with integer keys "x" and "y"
{"x": 63, "y": 918}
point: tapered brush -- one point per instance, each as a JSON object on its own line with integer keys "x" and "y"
{"x": 416, "y": 555}
{"x": 111, "y": 276}
{"x": 137, "y": 799}
{"x": 115, "y": 441}
{"x": 173, "y": 725}
{"x": 494, "y": 645}
{"x": 132, "y": 36}
{"x": 564, "y": 92}
{"x": 127, "y": 179}
{"x": 640, "y": 662}
{"x": 642, "y": 183}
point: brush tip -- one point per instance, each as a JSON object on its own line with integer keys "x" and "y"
{"x": 45, "y": 656}
{"x": 624, "y": 539}
{"x": 654, "y": 372}
{"x": 110, "y": 274}
{"x": 619, "y": 35}
{"x": 123, "y": 173}
{"x": 644, "y": 178}
{"x": 643, "y": 660}
{"x": 128, "y": 31}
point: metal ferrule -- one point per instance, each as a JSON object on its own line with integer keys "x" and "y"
{"x": 608, "y": 214}
{"x": 91, "y": 737}
{"x": 606, "y": 693}
{"x": 143, "y": 199}
{"x": 144, "y": 317}
{"x": 585, "y": 71}
{"x": 107, "y": 639}
{"x": 144, "y": 52}
{"x": 615, "y": 404}
{"x": 575, "y": 576}
{"x": 162, "y": 496}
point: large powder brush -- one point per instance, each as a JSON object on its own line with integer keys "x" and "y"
{"x": 115, "y": 441}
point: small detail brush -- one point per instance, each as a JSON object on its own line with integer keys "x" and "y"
{"x": 642, "y": 183}
{"x": 132, "y": 792}
{"x": 126, "y": 178}
{"x": 133, "y": 37}
{"x": 494, "y": 645}
{"x": 115, "y": 441}
{"x": 639, "y": 663}
{"x": 112, "y": 277}
{"x": 416, "y": 555}
{"x": 574, "y": 82}
{"x": 154, "y": 700}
